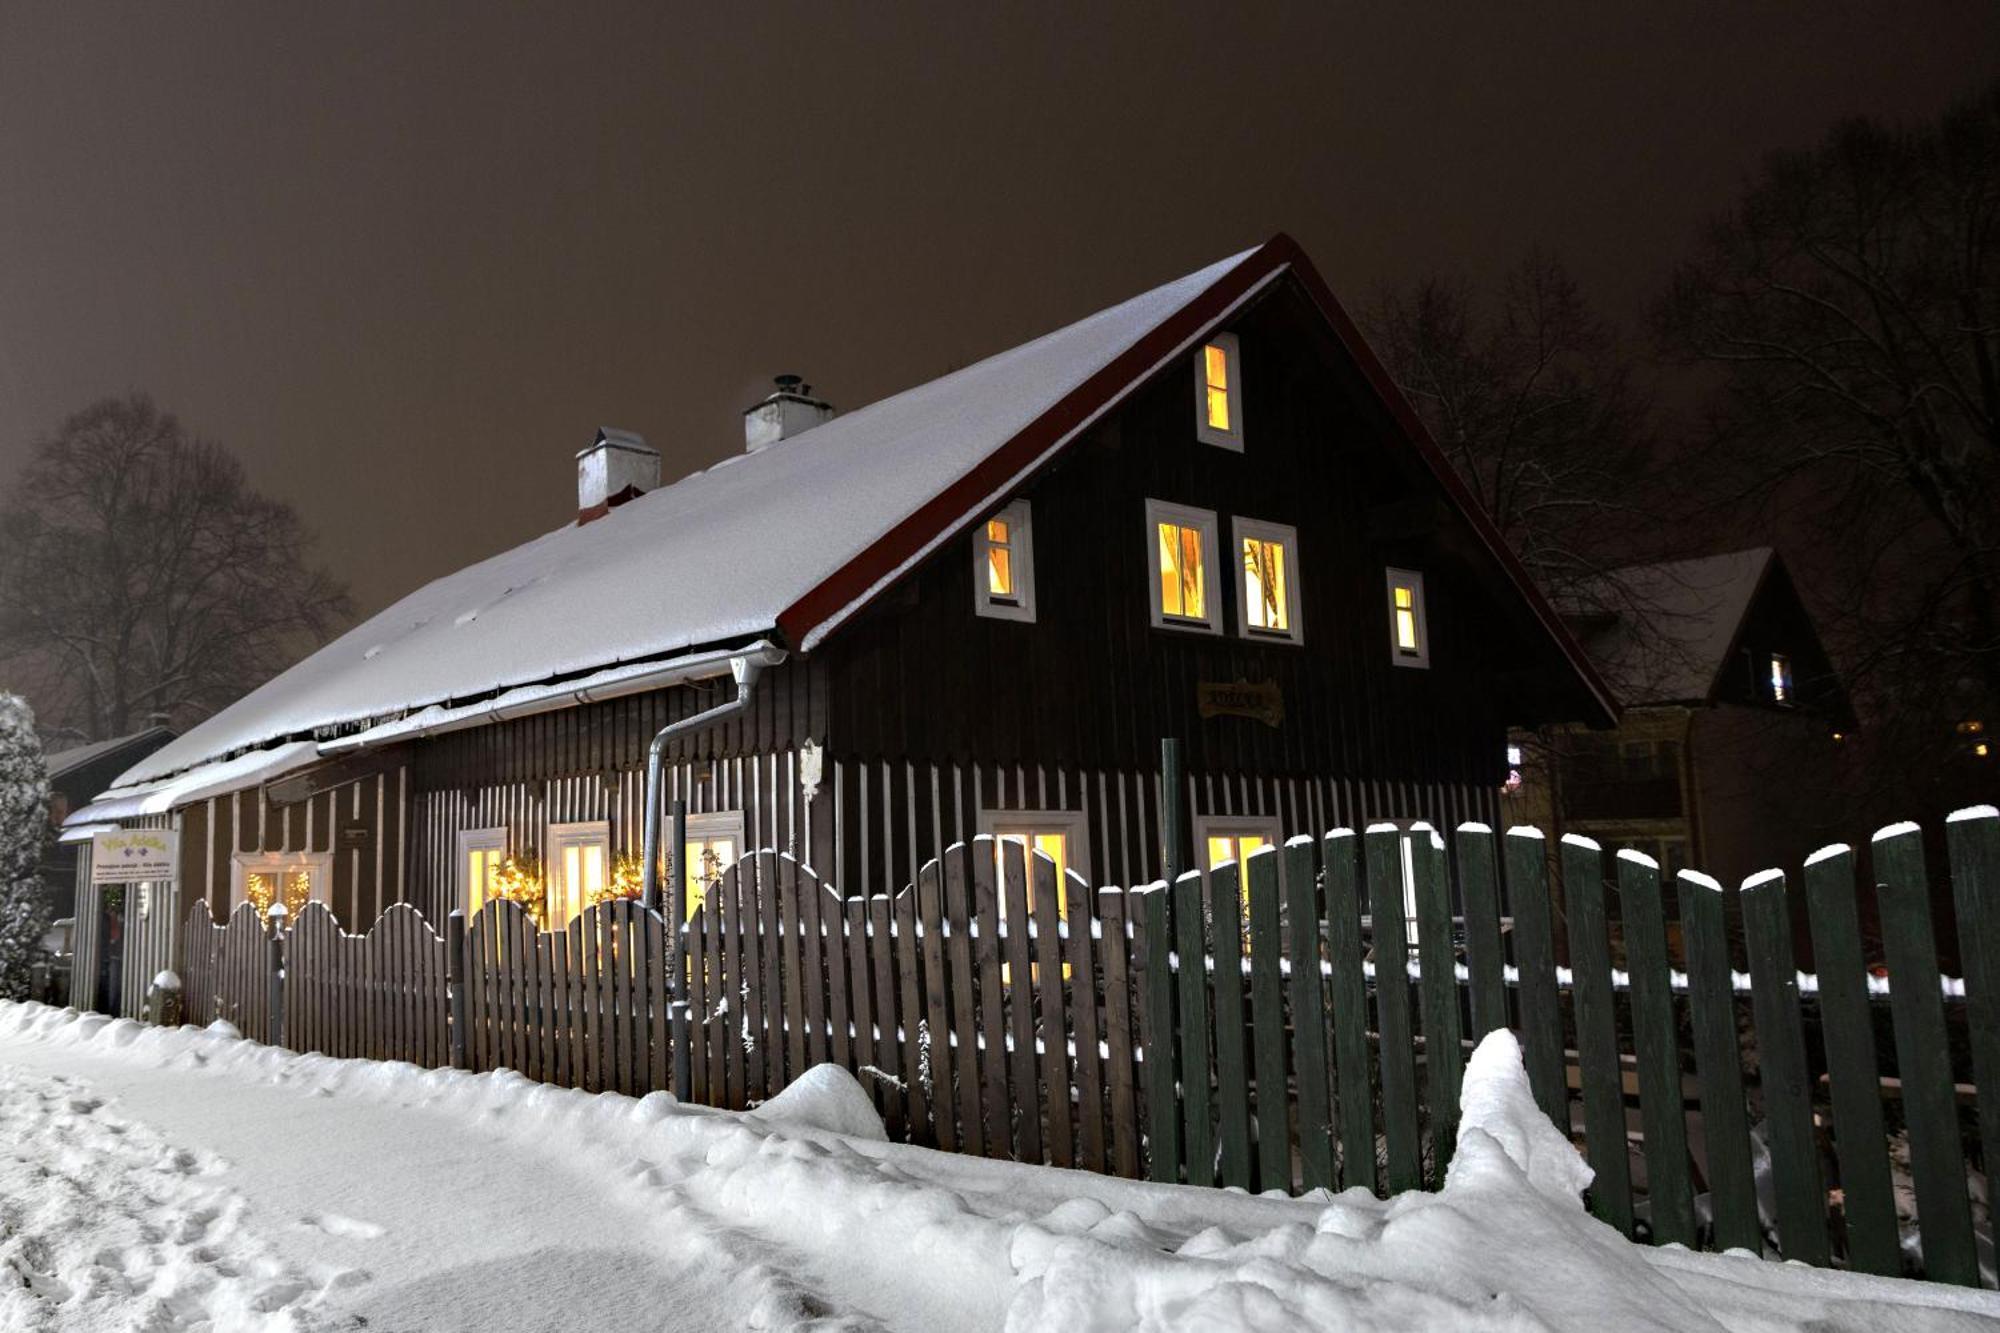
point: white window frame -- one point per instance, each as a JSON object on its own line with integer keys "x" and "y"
{"x": 709, "y": 826}
{"x": 1394, "y": 578}
{"x": 1235, "y": 826}
{"x": 472, "y": 840}
{"x": 1232, "y": 354}
{"x": 1021, "y": 551}
{"x": 1074, "y": 825}
{"x": 1287, "y": 537}
{"x": 579, "y": 833}
{"x": 1161, "y": 511}
{"x": 244, "y": 864}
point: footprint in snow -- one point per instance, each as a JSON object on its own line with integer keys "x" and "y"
{"x": 349, "y": 1228}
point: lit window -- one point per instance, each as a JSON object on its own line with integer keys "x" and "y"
{"x": 1003, "y": 565}
{"x": 1781, "y": 678}
{"x": 1233, "y": 839}
{"x": 1180, "y": 551}
{"x": 1218, "y": 392}
{"x": 579, "y": 868}
{"x": 1059, "y": 835}
{"x": 1269, "y": 608}
{"x": 714, "y": 843}
{"x": 293, "y": 878}
{"x": 1409, "y": 634}
{"x": 481, "y": 853}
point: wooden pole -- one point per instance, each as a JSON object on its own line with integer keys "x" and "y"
{"x": 454, "y": 976}
{"x": 676, "y": 923}
{"x": 1173, "y": 832}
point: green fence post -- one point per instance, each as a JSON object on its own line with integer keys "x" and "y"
{"x": 1309, "y": 1023}
{"x": 1847, "y": 1030}
{"x": 1232, "y": 1068}
{"x": 1782, "y": 1073}
{"x": 1973, "y": 839}
{"x": 1191, "y": 944}
{"x": 1400, "y": 1127}
{"x": 1916, "y": 1008}
{"x": 1656, "y": 1042}
{"x": 1718, "y": 1060}
{"x": 1267, "y": 1024}
{"x": 1597, "y": 1032}
{"x": 1437, "y": 994}
{"x": 1535, "y": 960}
{"x": 1156, "y": 945}
{"x": 1349, "y": 1001}
{"x": 1485, "y": 956}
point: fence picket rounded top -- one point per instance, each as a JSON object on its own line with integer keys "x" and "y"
{"x": 1973, "y": 812}
{"x": 1902, "y": 830}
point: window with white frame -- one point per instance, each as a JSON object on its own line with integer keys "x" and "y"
{"x": 1061, "y": 835}
{"x": 1409, "y": 631}
{"x": 1181, "y": 559}
{"x": 481, "y": 853}
{"x": 714, "y": 843}
{"x": 1218, "y": 392}
{"x": 1223, "y": 838}
{"x": 292, "y": 878}
{"x": 1003, "y": 565}
{"x": 578, "y": 869}
{"x": 1268, "y": 555}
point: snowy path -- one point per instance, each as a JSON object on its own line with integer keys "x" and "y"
{"x": 162, "y": 1179}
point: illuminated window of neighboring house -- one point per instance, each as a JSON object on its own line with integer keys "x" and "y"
{"x": 293, "y": 878}
{"x": 1003, "y": 565}
{"x": 1061, "y": 835}
{"x": 1181, "y": 560}
{"x": 1409, "y": 632}
{"x": 481, "y": 851}
{"x": 578, "y": 868}
{"x": 714, "y": 842}
{"x": 1269, "y": 607}
{"x": 1218, "y": 392}
{"x": 1781, "y": 678}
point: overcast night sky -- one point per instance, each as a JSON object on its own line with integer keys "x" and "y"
{"x": 403, "y": 259}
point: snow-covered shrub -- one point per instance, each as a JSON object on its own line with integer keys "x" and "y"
{"x": 24, "y": 825}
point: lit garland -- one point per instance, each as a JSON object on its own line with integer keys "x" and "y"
{"x": 260, "y": 889}
{"x": 519, "y": 879}
{"x": 626, "y": 881}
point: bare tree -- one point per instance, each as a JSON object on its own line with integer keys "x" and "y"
{"x": 1848, "y": 308}
{"x": 1536, "y": 404}
{"x": 140, "y": 573}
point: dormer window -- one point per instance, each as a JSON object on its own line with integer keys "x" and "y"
{"x": 1269, "y": 608}
{"x": 1409, "y": 634}
{"x": 1781, "y": 679}
{"x": 1180, "y": 551}
{"x": 1003, "y": 565}
{"x": 1218, "y": 393}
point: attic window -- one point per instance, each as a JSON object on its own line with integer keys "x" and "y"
{"x": 1781, "y": 679}
{"x": 1218, "y": 384}
{"x": 1180, "y": 553}
{"x": 1003, "y": 565}
{"x": 1269, "y": 608}
{"x": 1409, "y": 634}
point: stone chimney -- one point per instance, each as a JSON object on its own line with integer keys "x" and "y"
{"x": 621, "y": 466}
{"x": 790, "y": 410}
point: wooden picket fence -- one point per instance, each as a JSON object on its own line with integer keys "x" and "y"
{"x": 228, "y": 972}
{"x": 376, "y": 996}
{"x": 1271, "y": 1025}
{"x": 1316, "y": 1046}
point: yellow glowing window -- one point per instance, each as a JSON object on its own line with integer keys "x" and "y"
{"x": 1053, "y": 845}
{"x": 581, "y": 867}
{"x": 1215, "y": 370}
{"x": 1265, "y": 590}
{"x": 482, "y": 871}
{"x": 1781, "y": 678}
{"x": 1182, "y": 591}
{"x": 1406, "y": 619}
{"x": 706, "y": 859}
{"x": 263, "y": 888}
{"x": 1000, "y": 559}
{"x": 1235, "y": 847}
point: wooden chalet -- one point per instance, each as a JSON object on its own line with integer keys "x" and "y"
{"x": 977, "y": 606}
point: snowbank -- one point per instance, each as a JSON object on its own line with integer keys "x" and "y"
{"x": 817, "y": 1219}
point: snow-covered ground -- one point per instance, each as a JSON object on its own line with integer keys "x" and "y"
{"x": 173, "y": 1178}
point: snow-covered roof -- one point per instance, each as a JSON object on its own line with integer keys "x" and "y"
{"x": 1662, "y": 633}
{"x": 780, "y": 544}
{"x": 68, "y": 761}
{"x": 155, "y": 797}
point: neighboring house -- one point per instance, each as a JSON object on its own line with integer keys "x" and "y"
{"x": 974, "y": 607}
{"x": 1732, "y": 708}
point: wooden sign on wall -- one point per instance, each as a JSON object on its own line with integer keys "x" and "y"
{"x": 1263, "y": 701}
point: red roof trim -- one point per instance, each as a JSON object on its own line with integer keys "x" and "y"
{"x": 956, "y": 504}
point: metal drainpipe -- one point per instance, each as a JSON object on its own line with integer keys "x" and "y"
{"x": 745, "y": 669}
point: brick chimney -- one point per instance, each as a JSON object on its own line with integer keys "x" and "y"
{"x": 790, "y": 410}
{"x": 621, "y": 466}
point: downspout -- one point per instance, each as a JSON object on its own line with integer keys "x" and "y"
{"x": 745, "y": 667}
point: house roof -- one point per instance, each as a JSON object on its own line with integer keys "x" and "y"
{"x": 64, "y": 762}
{"x": 1663, "y": 633}
{"x": 783, "y": 543}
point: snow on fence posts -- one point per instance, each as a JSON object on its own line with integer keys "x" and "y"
{"x": 1718, "y": 1062}
{"x": 1600, "y": 1071}
{"x": 1656, "y": 1041}
{"x": 229, "y": 971}
{"x": 1972, "y": 840}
